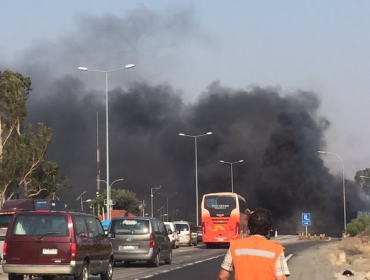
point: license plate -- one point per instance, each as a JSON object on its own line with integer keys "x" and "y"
{"x": 126, "y": 247}
{"x": 48, "y": 251}
{"x": 220, "y": 238}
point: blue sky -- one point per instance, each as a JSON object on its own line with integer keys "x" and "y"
{"x": 320, "y": 46}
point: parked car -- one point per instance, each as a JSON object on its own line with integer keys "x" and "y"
{"x": 56, "y": 243}
{"x": 199, "y": 234}
{"x": 140, "y": 239}
{"x": 174, "y": 238}
{"x": 187, "y": 233}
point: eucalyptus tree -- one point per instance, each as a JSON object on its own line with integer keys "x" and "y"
{"x": 22, "y": 149}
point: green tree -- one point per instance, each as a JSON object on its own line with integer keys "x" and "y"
{"x": 124, "y": 200}
{"x": 357, "y": 226}
{"x": 22, "y": 149}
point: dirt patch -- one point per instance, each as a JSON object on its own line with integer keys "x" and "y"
{"x": 352, "y": 252}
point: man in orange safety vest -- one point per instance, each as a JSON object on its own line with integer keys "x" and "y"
{"x": 255, "y": 257}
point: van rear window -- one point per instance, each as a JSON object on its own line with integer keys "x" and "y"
{"x": 129, "y": 226}
{"x": 5, "y": 219}
{"x": 40, "y": 225}
{"x": 182, "y": 227}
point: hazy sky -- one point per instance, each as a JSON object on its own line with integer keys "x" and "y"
{"x": 321, "y": 46}
{"x": 316, "y": 46}
{"x": 236, "y": 67}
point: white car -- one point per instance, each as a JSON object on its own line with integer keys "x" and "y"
{"x": 174, "y": 238}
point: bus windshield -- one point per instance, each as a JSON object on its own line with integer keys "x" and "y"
{"x": 220, "y": 206}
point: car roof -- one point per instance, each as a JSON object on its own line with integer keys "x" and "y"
{"x": 135, "y": 218}
{"x": 48, "y": 212}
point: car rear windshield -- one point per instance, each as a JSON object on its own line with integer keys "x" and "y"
{"x": 182, "y": 227}
{"x": 129, "y": 226}
{"x": 40, "y": 225}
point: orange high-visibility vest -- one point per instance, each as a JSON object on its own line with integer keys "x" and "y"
{"x": 254, "y": 258}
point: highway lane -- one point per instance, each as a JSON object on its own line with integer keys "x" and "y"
{"x": 185, "y": 259}
{"x": 199, "y": 263}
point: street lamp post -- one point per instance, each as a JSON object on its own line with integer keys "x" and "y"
{"x": 344, "y": 188}
{"x": 151, "y": 196}
{"x": 231, "y": 168}
{"x": 109, "y": 187}
{"x": 82, "y": 205}
{"x": 167, "y": 196}
{"x": 196, "y": 169}
{"x": 81, "y": 197}
{"x": 106, "y": 120}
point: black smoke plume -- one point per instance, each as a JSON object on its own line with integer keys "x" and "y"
{"x": 277, "y": 134}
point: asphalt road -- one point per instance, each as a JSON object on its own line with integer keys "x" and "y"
{"x": 307, "y": 260}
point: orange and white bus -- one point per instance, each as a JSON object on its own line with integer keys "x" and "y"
{"x": 223, "y": 218}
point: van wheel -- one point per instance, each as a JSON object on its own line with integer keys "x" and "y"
{"x": 84, "y": 275}
{"x": 196, "y": 244}
{"x": 13, "y": 276}
{"x": 169, "y": 260}
{"x": 108, "y": 274}
{"x": 157, "y": 259}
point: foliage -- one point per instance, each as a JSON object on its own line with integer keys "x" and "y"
{"x": 22, "y": 149}
{"x": 124, "y": 200}
{"x": 357, "y": 226}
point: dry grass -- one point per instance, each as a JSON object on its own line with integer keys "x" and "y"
{"x": 354, "y": 251}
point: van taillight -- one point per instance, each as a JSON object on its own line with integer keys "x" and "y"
{"x": 73, "y": 250}
{"x": 4, "y": 250}
{"x": 237, "y": 228}
{"x": 152, "y": 241}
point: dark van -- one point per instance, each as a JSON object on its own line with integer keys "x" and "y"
{"x": 6, "y": 213}
{"x": 56, "y": 243}
{"x": 140, "y": 239}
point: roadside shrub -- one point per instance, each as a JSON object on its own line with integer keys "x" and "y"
{"x": 355, "y": 227}
{"x": 365, "y": 220}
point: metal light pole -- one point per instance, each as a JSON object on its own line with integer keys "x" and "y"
{"x": 109, "y": 187}
{"x": 231, "y": 168}
{"x": 82, "y": 205}
{"x": 167, "y": 196}
{"x": 196, "y": 169}
{"x": 344, "y": 189}
{"x": 106, "y": 120}
{"x": 151, "y": 196}
{"x": 81, "y": 197}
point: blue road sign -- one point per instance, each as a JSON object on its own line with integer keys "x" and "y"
{"x": 306, "y": 219}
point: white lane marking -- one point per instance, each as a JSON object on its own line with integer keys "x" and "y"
{"x": 288, "y": 257}
{"x": 179, "y": 267}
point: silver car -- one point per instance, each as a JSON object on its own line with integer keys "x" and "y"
{"x": 140, "y": 239}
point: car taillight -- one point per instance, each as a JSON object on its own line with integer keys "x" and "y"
{"x": 152, "y": 241}
{"x": 4, "y": 250}
{"x": 73, "y": 250}
{"x": 237, "y": 228}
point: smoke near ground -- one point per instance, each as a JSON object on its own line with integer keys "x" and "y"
{"x": 276, "y": 133}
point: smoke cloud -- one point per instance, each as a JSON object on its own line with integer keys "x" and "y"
{"x": 276, "y": 133}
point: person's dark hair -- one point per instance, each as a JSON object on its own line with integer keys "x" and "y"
{"x": 260, "y": 222}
